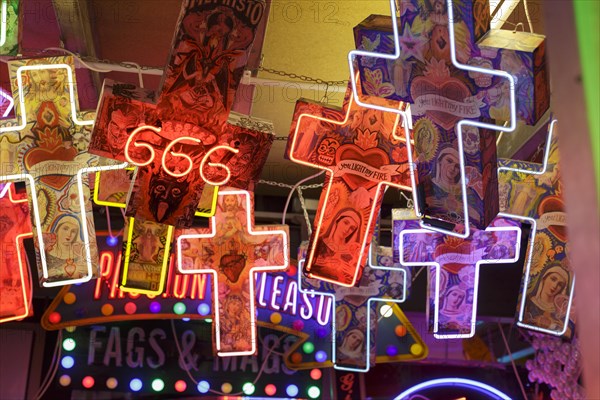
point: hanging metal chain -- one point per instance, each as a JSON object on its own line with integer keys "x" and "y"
{"x": 305, "y": 211}
{"x": 286, "y": 186}
{"x": 304, "y": 78}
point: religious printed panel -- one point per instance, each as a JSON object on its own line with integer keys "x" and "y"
{"x": 49, "y": 140}
{"x": 441, "y": 95}
{"x": 130, "y": 358}
{"x": 184, "y": 139}
{"x": 534, "y": 191}
{"x": 362, "y": 151}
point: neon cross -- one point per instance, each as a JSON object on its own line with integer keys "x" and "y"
{"x": 532, "y": 193}
{"x": 362, "y": 153}
{"x": 456, "y": 273}
{"x": 194, "y": 143}
{"x": 48, "y": 142}
{"x": 232, "y": 249}
{"x": 452, "y": 82}
{"x": 15, "y": 290}
{"x": 355, "y": 317}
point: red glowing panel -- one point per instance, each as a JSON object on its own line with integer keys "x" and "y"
{"x": 232, "y": 249}
{"x": 362, "y": 152}
{"x": 195, "y": 143}
{"x": 15, "y": 291}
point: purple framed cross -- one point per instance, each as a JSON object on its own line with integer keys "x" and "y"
{"x": 459, "y": 76}
{"x": 454, "y": 276}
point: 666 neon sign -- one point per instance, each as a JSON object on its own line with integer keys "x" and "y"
{"x": 185, "y": 159}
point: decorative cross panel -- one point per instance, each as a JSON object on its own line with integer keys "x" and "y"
{"x": 231, "y": 250}
{"x": 362, "y": 153}
{"x": 15, "y": 290}
{"x": 455, "y": 75}
{"x": 9, "y": 27}
{"x": 184, "y": 140}
{"x": 533, "y": 193}
{"x": 49, "y": 142}
{"x": 355, "y": 321}
{"x": 454, "y": 281}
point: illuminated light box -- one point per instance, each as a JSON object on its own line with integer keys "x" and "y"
{"x": 146, "y": 260}
{"x": 49, "y": 141}
{"x": 357, "y": 313}
{"x": 454, "y": 278}
{"x": 132, "y": 357}
{"x": 188, "y": 140}
{"x": 362, "y": 152}
{"x": 231, "y": 251}
{"x": 533, "y": 193}
{"x": 456, "y": 158}
{"x": 9, "y": 27}
{"x": 15, "y": 226}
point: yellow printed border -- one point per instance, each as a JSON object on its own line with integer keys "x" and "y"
{"x": 165, "y": 264}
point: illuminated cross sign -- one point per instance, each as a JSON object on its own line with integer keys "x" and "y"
{"x": 356, "y": 319}
{"x": 454, "y": 280}
{"x": 15, "y": 291}
{"x": 362, "y": 153}
{"x": 232, "y": 250}
{"x": 184, "y": 140}
{"x": 458, "y": 77}
{"x": 49, "y": 142}
{"x": 532, "y": 193}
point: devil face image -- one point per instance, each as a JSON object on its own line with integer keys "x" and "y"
{"x": 166, "y": 195}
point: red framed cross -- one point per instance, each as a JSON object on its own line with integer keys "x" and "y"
{"x": 15, "y": 226}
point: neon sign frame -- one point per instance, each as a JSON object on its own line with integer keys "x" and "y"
{"x": 380, "y": 185}
{"x": 532, "y": 235}
{"x": 22, "y": 265}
